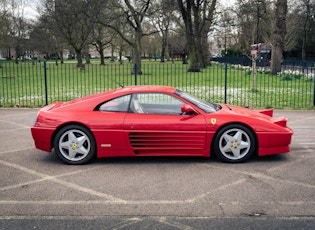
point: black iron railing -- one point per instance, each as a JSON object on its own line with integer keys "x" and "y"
{"x": 34, "y": 84}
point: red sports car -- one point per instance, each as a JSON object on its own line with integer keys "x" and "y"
{"x": 156, "y": 121}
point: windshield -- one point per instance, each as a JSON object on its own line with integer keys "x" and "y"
{"x": 206, "y": 106}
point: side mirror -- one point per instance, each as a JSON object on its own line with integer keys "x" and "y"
{"x": 188, "y": 110}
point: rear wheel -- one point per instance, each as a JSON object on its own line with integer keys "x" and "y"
{"x": 234, "y": 143}
{"x": 74, "y": 144}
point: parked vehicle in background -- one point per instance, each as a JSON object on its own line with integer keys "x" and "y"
{"x": 262, "y": 53}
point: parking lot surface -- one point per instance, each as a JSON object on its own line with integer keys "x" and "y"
{"x": 165, "y": 192}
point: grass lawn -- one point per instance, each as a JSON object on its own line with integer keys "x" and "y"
{"x": 23, "y": 84}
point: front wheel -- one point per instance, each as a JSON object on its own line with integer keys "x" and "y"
{"x": 74, "y": 144}
{"x": 234, "y": 143}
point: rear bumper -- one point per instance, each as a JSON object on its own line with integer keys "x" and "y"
{"x": 42, "y": 138}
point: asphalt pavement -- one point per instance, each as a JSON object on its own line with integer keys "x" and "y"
{"x": 39, "y": 192}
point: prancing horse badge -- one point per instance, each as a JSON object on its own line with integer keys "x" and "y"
{"x": 213, "y": 121}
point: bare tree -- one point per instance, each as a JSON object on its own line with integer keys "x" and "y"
{"x": 208, "y": 13}
{"x": 67, "y": 19}
{"x": 293, "y": 30}
{"x": 176, "y": 42}
{"x": 278, "y": 36}
{"x": 197, "y": 16}
{"x": 254, "y": 20}
{"x": 307, "y": 17}
{"x": 4, "y": 14}
{"x": 300, "y": 37}
{"x": 14, "y": 28}
{"x": 163, "y": 21}
{"x": 119, "y": 14}
{"x": 187, "y": 15}
{"x": 101, "y": 39}
{"x": 135, "y": 13}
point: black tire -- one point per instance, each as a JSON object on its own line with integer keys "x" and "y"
{"x": 234, "y": 143}
{"x": 75, "y": 145}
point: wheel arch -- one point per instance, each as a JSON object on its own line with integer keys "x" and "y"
{"x": 234, "y": 123}
{"x": 67, "y": 124}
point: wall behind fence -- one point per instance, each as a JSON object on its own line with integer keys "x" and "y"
{"x": 24, "y": 84}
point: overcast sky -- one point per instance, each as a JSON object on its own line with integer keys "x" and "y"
{"x": 227, "y": 2}
{"x": 30, "y": 10}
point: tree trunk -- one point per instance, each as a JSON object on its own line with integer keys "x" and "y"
{"x": 198, "y": 38}
{"x": 276, "y": 60}
{"x": 193, "y": 56}
{"x": 204, "y": 50}
{"x": 101, "y": 52}
{"x": 303, "y": 54}
{"x": 78, "y": 53}
{"x": 61, "y": 57}
{"x": 164, "y": 43}
{"x": 137, "y": 52}
{"x": 278, "y": 36}
{"x": 120, "y": 56}
{"x": 102, "y": 57}
{"x": 87, "y": 57}
{"x": 191, "y": 43}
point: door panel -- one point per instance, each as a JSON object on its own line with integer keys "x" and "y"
{"x": 152, "y": 134}
{"x": 107, "y": 128}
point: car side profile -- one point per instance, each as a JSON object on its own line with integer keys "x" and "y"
{"x": 156, "y": 121}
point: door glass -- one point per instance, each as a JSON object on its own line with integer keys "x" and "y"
{"x": 119, "y": 104}
{"x": 159, "y": 103}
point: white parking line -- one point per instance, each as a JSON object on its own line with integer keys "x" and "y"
{"x": 16, "y": 150}
{"x": 62, "y": 182}
{"x": 267, "y": 177}
{"x": 17, "y": 124}
{"x": 18, "y": 114}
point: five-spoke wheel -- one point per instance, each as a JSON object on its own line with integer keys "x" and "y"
{"x": 234, "y": 143}
{"x": 74, "y": 144}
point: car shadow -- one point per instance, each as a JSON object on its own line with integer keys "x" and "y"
{"x": 51, "y": 158}
{"x": 151, "y": 160}
{"x": 184, "y": 160}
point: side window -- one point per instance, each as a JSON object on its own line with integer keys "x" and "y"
{"x": 158, "y": 103}
{"x": 119, "y": 104}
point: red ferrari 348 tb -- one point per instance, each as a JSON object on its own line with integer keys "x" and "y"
{"x": 156, "y": 121}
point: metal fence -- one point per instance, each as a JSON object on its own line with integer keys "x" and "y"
{"x": 34, "y": 84}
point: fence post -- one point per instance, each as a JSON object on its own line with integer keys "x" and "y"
{"x": 225, "y": 82}
{"x": 135, "y": 72}
{"x": 314, "y": 92}
{"x": 45, "y": 79}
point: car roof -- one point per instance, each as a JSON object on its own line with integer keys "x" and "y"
{"x": 145, "y": 88}
{"x": 98, "y": 97}
{"x": 126, "y": 90}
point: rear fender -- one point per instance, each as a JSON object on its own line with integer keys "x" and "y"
{"x": 63, "y": 125}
